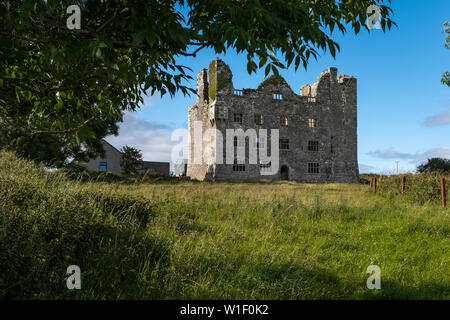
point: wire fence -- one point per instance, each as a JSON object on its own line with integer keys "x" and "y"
{"x": 419, "y": 188}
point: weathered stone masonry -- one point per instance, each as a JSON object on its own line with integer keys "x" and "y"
{"x": 317, "y": 129}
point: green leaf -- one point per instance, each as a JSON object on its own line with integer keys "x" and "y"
{"x": 137, "y": 38}
{"x": 98, "y": 53}
{"x": 267, "y": 71}
{"x": 357, "y": 27}
{"x": 332, "y": 50}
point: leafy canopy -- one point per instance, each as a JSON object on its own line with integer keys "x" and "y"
{"x": 62, "y": 91}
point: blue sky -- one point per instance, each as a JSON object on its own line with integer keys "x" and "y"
{"x": 403, "y": 109}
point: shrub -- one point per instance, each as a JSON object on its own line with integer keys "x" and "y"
{"x": 74, "y": 170}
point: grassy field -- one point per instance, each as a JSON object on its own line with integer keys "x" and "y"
{"x": 193, "y": 240}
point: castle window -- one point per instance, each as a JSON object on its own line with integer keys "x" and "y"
{"x": 277, "y": 96}
{"x": 259, "y": 119}
{"x": 331, "y": 149}
{"x": 238, "y": 92}
{"x": 238, "y": 167}
{"x": 284, "y": 144}
{"x": 103, "y": 166}
{"x": 312, "y": 123}
{"x": 221, "y": 112}
{"x": 312, "y": 99}
{"x": 284, "y": 121}
{"x": 313, "y": 167}
{"x": 238, "y": 117}
{"x": 313, "y": 145}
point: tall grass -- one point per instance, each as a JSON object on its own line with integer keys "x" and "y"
{"x": 191, "y": 240}
{"x": 48, "y": 223}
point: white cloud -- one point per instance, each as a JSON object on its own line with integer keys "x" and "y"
{"x": 154, "y": 139}
{"x": 440, "y": 119}
{"x": 150, "y": 100}
{"x": 389, "y": 153}
{"x": 418, "y": 157}
{"x": 442, "y": 152}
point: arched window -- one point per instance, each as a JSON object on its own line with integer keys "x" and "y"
{"x": 284, "y": 121}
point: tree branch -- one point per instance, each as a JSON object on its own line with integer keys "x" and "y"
{"x": 68, "y": 131}
{"x": 11, "y": 35}
{"x": 24, "y": 84}
{"x": 193, "y": 54}
{"x": 107, "y": 22}
{"x": 35, "y": 133}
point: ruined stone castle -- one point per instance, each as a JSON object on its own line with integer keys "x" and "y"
{"x": 316, "y": 129}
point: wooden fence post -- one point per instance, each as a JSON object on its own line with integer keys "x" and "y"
{"x": 443, "y": 191}
{"x": 403, "y": 184}
{"x": 374, "y": 185}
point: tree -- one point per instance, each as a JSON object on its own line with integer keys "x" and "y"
{"x": 62, "y": 90}
{"x": 130, "y": 160}
{"x": 446, "y": 76}
{"x": 435, "y": 164}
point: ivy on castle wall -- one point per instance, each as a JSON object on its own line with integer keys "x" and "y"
{"x": 212, "y": 70}
{"x": 217, "y": 80}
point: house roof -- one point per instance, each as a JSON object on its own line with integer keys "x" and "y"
{"x": 109, "y": 144}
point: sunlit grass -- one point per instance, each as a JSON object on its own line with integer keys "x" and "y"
{"x": 192, "y": 240}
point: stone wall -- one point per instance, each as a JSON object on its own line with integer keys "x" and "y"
{"x": 157, "y": 168}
